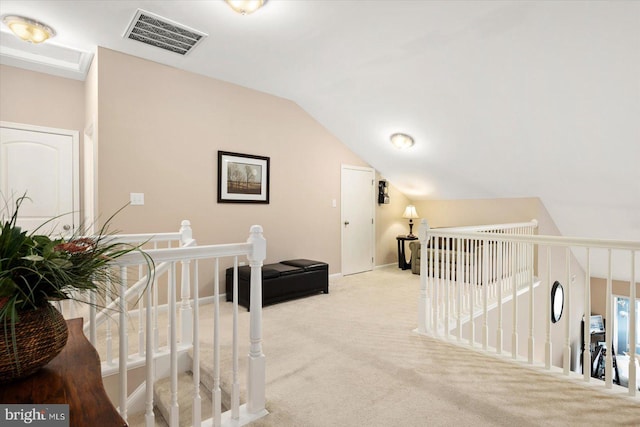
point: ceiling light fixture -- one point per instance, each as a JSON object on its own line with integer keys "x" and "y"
{"x": 28, "y": 29}
{"x": 401, "y": 140}
{"x": 245, "y": 7}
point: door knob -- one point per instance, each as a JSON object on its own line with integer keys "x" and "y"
{"x": 346, "y": 223}
{"x": 66, "y": 227}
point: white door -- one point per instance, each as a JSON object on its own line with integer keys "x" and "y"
{"x": 358, "y": 228}
{"x": 43, "y": 163}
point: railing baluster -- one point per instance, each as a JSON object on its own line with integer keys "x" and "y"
{"x": 196, "y": 417}
{"x": 186, "y": 312}
{"x": 216, "y": 392}
{"x": 633, "y": 324}
{"x": 531, "y": 302}
{"x": 235, "y": 392}
{"x": 586, "y": 356}
{"x": 174, "y": 415}
{"x": 436, "y": 286}
{"x": 608, "y": 370}
{"x": 566, "y": 361}
{"x": 123, "y": 342}
{"x": 424, "y": 274}
{"x": 500, "y": 268}
{"x": 447, "y": 281}
{"x": 140, "y": 316}
{"x": 149, "y": 367}
{"x": 92, "y": 317}
{"x": 547, "y": 345}
{"x": 485, "y": 292}
{"x": 515, "y": 256}
{"x": 474, "y": 285}
{"x": 109, "y": 334}
{"x": 459, "y": 288}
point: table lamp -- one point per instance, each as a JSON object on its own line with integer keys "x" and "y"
{"x": 410, "y": 212}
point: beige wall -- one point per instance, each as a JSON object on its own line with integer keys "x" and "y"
{"x": 456, "y": 213}
{"x": 159, "y": 133}
{"x": 40, "y": 99}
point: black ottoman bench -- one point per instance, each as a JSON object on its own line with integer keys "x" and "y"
{"x": 281, "y": 281}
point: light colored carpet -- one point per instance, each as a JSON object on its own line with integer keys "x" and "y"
{"x": 350, "y": 358}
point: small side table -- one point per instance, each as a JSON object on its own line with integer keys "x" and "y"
{"x": 402, "y": 259}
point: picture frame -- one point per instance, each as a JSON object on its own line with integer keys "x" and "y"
{"x": 242, "y": 178}
{"x": 596, "y": 324}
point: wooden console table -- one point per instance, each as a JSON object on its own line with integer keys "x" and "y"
{"x": 73, "y": 377}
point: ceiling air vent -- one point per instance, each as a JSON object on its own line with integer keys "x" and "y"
{"x": 157, "y": 31}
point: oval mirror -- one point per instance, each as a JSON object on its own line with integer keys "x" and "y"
{"x": 557, "y": 301}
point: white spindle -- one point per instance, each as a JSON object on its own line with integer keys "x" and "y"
{"x": 485, "y": 285}
{"x": 173, "y": 339}
{"x": 436, "y": 285}
{"x": 608, "y": 370}
{"x": 566, "y": 360}
{"x": 459, "y": 288}
{"x": 547, "y": 343}
{"x": 633, "y": 385}
{"x": 433, "y": 325}
{"x": 423, "y": 234}
{"x": 586, "y": 355}
{"x": 500, "y": 268}
{"x": 92, "y": 317}
{"x": 217, "y": 392}
{"x": 235, "y": 387}
{"x": 196, "y": 410}
{"x": 186, "y": 312}
{"x": 514, "y": 289}
{"x": 123, "y": 343}
{"x": 531, "y": 302}
{"x": 447, "y": 281}
{"x": 141, "y": 340}
{"x": 149, "y": 415}
{"x": 156, "y": 330}
{"x": 109, "y": 334}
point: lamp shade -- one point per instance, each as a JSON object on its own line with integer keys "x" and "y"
{"x": 410, "y": 212}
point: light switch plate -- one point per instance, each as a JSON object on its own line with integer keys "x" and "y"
{"x": 137, "y": 199}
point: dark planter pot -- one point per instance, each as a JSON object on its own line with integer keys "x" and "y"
{"x": 38, "y": 336}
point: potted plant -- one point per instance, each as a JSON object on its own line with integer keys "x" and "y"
{"x": 36, "y": 269}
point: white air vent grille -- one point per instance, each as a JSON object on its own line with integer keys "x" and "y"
{"x": 157, "y": 31}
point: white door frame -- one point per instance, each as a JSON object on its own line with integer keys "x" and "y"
{"x": 74, "y": 134}
{"x": 342, "y": 219}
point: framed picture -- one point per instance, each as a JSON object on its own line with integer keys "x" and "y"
{"x": 596, "y": 324}
{"x": 242, "y": 178}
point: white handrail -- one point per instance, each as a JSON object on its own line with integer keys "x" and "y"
{"x": 255, "y": 251}
{"x": 505, "y": 262}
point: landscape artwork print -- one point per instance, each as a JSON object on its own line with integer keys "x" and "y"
{"x": 242, "y": 178}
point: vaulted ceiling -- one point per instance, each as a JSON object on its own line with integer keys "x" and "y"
{"x": 503, "y": 98}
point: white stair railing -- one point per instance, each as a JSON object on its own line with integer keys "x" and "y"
{"x": 187, "y": 257}
{"x": 468, "y": 272}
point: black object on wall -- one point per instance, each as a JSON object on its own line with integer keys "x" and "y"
{"x": 383, "y": 192}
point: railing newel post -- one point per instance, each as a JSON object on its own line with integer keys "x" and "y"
{"x": 256, "y": 371}
{"x": 423, "y": 301}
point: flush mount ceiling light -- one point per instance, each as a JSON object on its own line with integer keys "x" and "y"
{"x": 28, "y": 29}
{"x": 401, "y": 140}
{"x": 245, "y": 7}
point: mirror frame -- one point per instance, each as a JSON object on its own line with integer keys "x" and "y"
{"x": 557, "y": 291}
